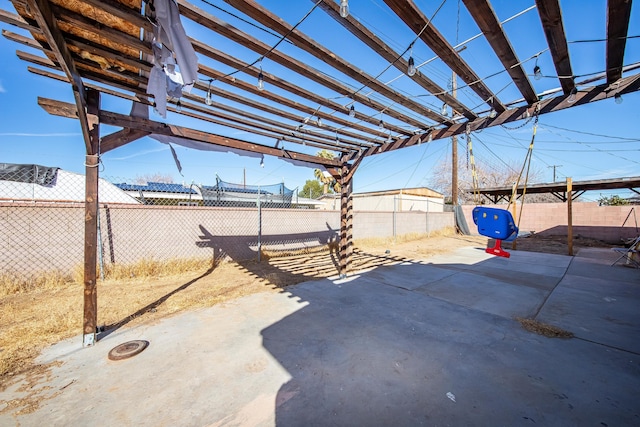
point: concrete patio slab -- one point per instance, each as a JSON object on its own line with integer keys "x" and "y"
{"x": 487, "y": 294}
{"x": 599, "y": 310}
{"x": 413, "y": 275}
{"x": 363, "y": 351}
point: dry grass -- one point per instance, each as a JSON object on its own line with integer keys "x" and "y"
{"x": 544, "y": 328}
{"x": 405, "y": 238}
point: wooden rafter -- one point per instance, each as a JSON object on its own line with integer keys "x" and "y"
{"x": 65, "y": 109}
{"x": 393, "y": 57}
{"x": 211, "y": 22}
{"x": 218, "y": 92}
{"x": 419, "y": 24}
{"x": 206, "y": 114}
{"x": 585, "y": 96}
{"x": 489, "y": 24}
{"x": 49, "y": 27}
{"x": 304, "y": 42}
{"x": 618, "y": 15}
{"x": 551, "y": 18}
{"x": 285, "y": 85}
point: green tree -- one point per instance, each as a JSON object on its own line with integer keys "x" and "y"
{"x": 312, "y": 189}
{"x": 614, "y": 200}
{"x": 324, "y": 177}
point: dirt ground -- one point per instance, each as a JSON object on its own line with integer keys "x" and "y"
{"x": 32, "y": 320}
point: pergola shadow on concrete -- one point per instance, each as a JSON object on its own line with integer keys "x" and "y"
{"x": 127, "y": 49}
{"x": 432, "y": 342}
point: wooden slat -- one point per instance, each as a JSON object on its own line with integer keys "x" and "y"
{"x": 551, "y": 18}
{"x": 385, "y": 51}
{"x": 618, "y": 15}
{"x": 304, "y": 42}
{"x": 218, "y": 92}
{"x": 209, "y": 21}
{"x": 416, "y": 21}
{"x": 289, "y": 87}
{"x": 489, "y": 24}
{"x": 18, "y": 21}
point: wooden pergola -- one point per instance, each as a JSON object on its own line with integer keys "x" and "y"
{"x": 104, "y": 48}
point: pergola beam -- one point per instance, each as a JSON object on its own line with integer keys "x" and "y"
{"x": 551, "y": 18}
{"x": 489, "y": 24}
{"x": 618, "y": 15}
{"x": 585, "y": 96}
{"x": 416, "y": 20}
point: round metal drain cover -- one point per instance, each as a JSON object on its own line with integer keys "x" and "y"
{"x": 127, "y": 349}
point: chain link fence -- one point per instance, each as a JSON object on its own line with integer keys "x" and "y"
{"x": 42, "y": 221}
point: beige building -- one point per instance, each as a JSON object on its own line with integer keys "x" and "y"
{"x": 421, "y": 199}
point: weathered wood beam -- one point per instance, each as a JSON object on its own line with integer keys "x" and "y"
{"x": 369, "y": 38}
{"x": 120, "y": 138}
{"x": 551, "y": 18}
{"x": 89, "y": 70}
{"x": 229, "y": 60}
{"x": 211, "y": 22}
{"x": 85, "y": 23}
{"x": 122, "y": 11}
{"x": 92, "y": 162}
{"x": 18, "y": 21}
{"x": 65, "y": 109}
{"x": 48, "y": 25}
{"x": 583, "y": 97}
{"x": 306, "y": 43}
{"x": 618, "y": 15}
{"x": 417, "y": 22}
{"x": 346, "y": 219}
{"x": 490, "y": 25}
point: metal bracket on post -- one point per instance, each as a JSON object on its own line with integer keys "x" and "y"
{"x": 89, "y": 340}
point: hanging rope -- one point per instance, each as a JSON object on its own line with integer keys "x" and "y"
{"x": 474, "y": 171}
{"x": 526, "y": 165}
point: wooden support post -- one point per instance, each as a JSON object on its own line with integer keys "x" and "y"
{"x": 346, "y": 220}
{"x": 90, "y": 318}
{"x": 569, "y": 216}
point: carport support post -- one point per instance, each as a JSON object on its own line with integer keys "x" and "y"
{"x": 569, "y": 216}
{"x": 90, "y": 317}
{"x": 346, "y": 218}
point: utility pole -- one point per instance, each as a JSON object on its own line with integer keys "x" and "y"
{"x": 454, "y": 149}
{"x": 554, "y": 170}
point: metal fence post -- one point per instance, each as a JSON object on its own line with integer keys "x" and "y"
{"x": 100, "y": 253}
{"x": 259, "y": 227}
{"x": 395, "y": 199}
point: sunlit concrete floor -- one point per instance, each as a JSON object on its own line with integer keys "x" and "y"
{"x": 422, "y": 343}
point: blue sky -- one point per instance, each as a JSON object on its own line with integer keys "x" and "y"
{"x": 595, "y": 141}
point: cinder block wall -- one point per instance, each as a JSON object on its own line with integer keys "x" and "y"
{"x": 589, "y": 220}
{"x": 41, "y": 237}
